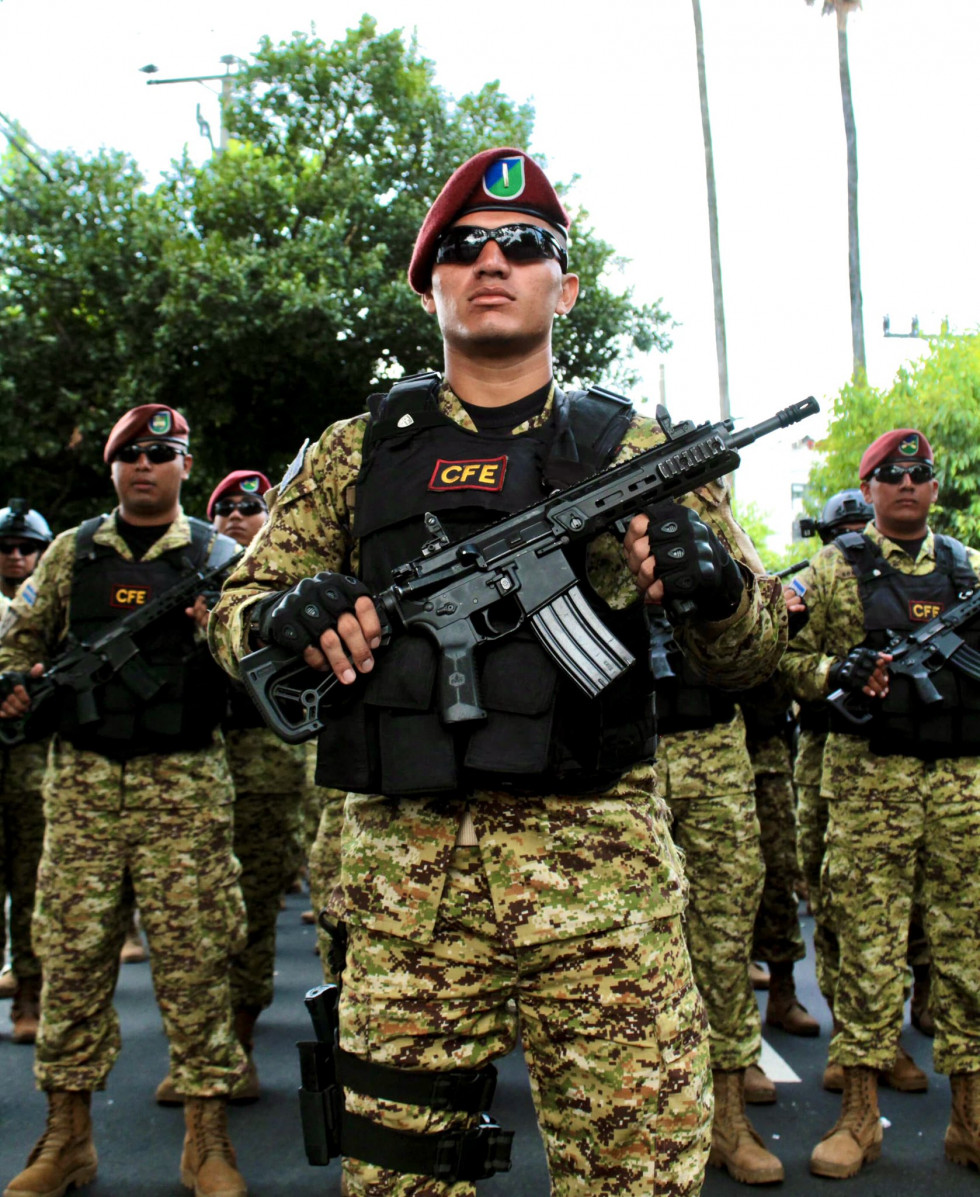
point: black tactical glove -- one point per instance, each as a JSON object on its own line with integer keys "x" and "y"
{"x": 854, "y": 671}
{"x": 299, "y": 617}
{"x": 699, "y": 576}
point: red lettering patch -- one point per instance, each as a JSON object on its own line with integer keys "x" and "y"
{"x": 129, "y": 597}
{"x": 481, "y": 474}
{"x": 922, "y": 610}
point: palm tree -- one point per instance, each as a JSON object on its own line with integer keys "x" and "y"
{"x": 709, "y": 170}
{"x": 842, "y": 8}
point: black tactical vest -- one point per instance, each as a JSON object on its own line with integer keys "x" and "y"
{"x": 192, "y": 697}
{"x": 541, "y": 731}
{"x": 897, "y": 602}
{"x": 684, "y": 700}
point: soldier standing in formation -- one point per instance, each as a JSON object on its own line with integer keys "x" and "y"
{"x": 145, "y": 786}
{"x": 529, "y": 861}
{"x": 904, "y": 799}
{"x": 24, "y": 535}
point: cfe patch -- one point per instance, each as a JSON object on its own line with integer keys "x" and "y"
{"x": 128, "y": 598}
{"x": 480, "y": 474}
{"x": 504, "y": 179}
{"x": 160, "y": 423}
{"x": 922, "y": 610}
{"x": 909, "y": 446}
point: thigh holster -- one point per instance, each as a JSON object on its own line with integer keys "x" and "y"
{"x": 470, "y": 1153}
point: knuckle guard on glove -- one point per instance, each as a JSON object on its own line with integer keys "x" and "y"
{"x": 301, "y": 616}
{"x": 691, "y": 562}
{"x": 854, "y": 672}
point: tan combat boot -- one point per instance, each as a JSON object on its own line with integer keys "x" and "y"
{"x": 25, "y": 1013}
{"x": 208, "y": 1165}
{"x": 760, "y": 1090}
{"x": 64, "y": 1156}
{"x": 904, "y": 1075}
{"x": 758, "y": 976}
{"x": 8, "y": 983}
{"x": 855, "y": 1138}
{"x": 963, "y": 1133}
{"x": 735, "y": 1145}
{"x": 784, "y": 1009}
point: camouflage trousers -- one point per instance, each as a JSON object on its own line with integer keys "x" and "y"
{"x": 777, "y": 937}
{"x": 325, "y": 863}
{"x": 897, "y": 823}
{"x": 21, "y": 837}
{"x": 612, "y": 1029}
{"x": 168, "y": 821}
{"x": 723, "y": 861}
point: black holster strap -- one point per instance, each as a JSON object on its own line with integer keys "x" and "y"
{"x": 450, "y": 1156}
{"x": 466, "y": 1090}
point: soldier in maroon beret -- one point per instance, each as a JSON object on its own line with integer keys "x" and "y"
{"x": 141, "y": 794}
{"x": 901, "y": 770}
{"x": 515, "y": 870}
{"x": 237, "y": 507}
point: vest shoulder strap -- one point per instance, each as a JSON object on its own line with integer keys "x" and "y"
{"x": 953, "y": 559}
{"x": 411, "y": 405}
{"x": 85, "y": 546}
{"x": 598, "y": 419}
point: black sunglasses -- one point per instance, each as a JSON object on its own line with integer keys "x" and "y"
{"x": 243, "y": 506}
{"x": 893, "y": 474}
{"x": 9, "y": 548}
{"x": 155, "y": 453}
{"x": 464, "y": 243}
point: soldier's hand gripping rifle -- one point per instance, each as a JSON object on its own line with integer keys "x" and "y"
{"x": 920, "y": 654}
{"x": 84, "y": 666}
{"x": 487, "y": 585}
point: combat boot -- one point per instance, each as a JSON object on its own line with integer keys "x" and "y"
{"x": 963, "y": 1133}
{"x": 247, "y": 1089}
{"x": 25, "y": 1013}
{"x": 760, "y": 1090}
{"x": 904, "y": 1075}
{"x": 855, "y": 1139}
{"x": 64, "y": 1156}
{"x": 833, "y": 1077}
{"x": 784, "y": 1009}
{"x": 922, "y": 1018}
{"x": 758, "y": 976}
{"x": 735, "y": 1144}
{"x": 208, "y": 1165}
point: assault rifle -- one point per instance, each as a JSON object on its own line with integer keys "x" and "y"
{"x": 795, "y": 568}
{"x": 84, "y": 666}
{"x": 919, "y": 654}
{"x": 487, "y": 585}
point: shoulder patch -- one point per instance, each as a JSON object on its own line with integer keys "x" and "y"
{"x": 29, "y": 594}
{"x": 294, "y": 467}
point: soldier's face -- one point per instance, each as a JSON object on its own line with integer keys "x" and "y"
{"x": 19, "y": 564}
{"x": 147, "y": 489}
{"x": 901, "y": 507}
{"x": 493, "y": 305}
{"x": 241, "y": 528}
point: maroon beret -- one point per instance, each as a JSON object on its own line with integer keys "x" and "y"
{"x": 249, "y": 482}
{"x": 503, "y": 180}
{"x": 151, "y": 421}
{"x": 904, "y": 444}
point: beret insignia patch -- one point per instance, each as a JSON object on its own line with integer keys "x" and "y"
{"x": 249, "y": 486}
{"x": 504, "y": 179}
{"x": 160, "y": 423}
{"x": 909, "y": 446}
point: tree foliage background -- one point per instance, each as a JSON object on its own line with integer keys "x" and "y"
{"x": 940, "y": 396}
{"x": 264, "y": 295}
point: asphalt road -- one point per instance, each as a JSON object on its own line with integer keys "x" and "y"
{"x": 139, "y": 1142}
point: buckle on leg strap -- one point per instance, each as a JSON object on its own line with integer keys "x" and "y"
{"x": 475, "y": 1153}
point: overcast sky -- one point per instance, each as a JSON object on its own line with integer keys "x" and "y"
{"x": 615, "y": 91}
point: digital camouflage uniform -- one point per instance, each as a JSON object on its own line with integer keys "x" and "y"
{"x": 888, "y": 816}
{"x": 811, "y": 833}
{"x": 268, "y": 776}
{"x": 570, "y": 906}
{"x": 324, "y": 850}
{"x": 707, "y": 781}
{"x": 167, "y": 818}
{"x": 21, "y": 837}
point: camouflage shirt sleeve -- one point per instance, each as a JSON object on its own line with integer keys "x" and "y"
{"x": 37, "y": 619}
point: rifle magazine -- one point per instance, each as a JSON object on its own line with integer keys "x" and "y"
{"x": 580, "y": 642}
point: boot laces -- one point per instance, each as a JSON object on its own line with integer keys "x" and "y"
{"x": 212, "y": 1135}
{"x": 858, "y": 1098}
{"x": 59, "y": 1129}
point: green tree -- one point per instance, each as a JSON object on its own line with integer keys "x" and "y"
{"x": 265, "y": 295}
{"x": 939, "y": 395}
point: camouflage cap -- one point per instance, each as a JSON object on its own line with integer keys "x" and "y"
{"x": 249, "y": 482}
{"x": 904, "y": 444}
{"x": 151, "y": 422}
{"x": 504, "y": 180}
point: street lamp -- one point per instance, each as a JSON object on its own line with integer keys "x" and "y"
{"x": 226, "y": 81}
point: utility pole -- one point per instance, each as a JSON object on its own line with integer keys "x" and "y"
{"x": 226, "y": 84}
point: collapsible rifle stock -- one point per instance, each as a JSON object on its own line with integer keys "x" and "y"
{"x": 514, "y": 571}
{"x": 84, "y": 666}
{"x": 920, "y": 654}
